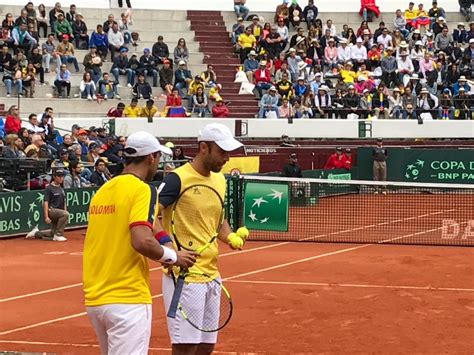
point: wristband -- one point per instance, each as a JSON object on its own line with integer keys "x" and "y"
{"x": 162, "y": 237}
{"x": 169, "y": 256}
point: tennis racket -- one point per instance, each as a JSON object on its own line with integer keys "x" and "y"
{"x": 219, "y": 307}
{"x": 187, "y": 220}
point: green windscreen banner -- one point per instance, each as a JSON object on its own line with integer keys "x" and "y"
{"x": 23, "y": 210}
{"x": 266, "y": 206}
{"x": 421, "y": 165}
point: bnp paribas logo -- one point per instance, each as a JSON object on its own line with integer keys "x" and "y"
{"x": 413, "y": 170}
{"x": 266, "y": 206}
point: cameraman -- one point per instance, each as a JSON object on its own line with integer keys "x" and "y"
{"x": 55, "y": 211}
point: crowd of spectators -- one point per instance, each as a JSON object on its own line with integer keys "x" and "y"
{"x": 90, "y": 156}
{"x": 40, "y": 41}
{"x": 415, "y": 67}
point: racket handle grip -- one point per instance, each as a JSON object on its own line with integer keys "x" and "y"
{"x": 176, "y": 296}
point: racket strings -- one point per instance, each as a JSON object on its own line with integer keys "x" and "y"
{"x": 196, "y": 216}
{"x": 214, "y": 300}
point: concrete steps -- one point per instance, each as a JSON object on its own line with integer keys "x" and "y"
{"x": 219, "y": 51}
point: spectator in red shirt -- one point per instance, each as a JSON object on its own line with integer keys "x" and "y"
{"x": 220, "y": 110}
{"x": 347, "y": 159}
{"x": 13, "y": 121}
{"x": 116, "y": 111}
{"x": 335, "y": 160}
{"x": 174, "y": 99}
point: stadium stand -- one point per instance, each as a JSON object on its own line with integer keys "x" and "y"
{"x": 153, "y": 63}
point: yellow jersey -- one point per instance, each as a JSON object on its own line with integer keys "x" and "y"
{"x": 173, "y": 185}
{"x": 113, "y": 271}
{"x": 132, "y": 111}
{"x": 348, "y": 76}
{"x": 247, "y": 41}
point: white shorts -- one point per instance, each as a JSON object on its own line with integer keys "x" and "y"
{"x": 179, "y": 329}
{"x": 122, "y": 328}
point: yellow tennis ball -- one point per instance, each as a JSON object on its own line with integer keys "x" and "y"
{"x": 235, "y": 241}
{"x": 243, "y": 232}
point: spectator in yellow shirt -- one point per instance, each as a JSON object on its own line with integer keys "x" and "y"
{"x": 347, "y": 74}
{"x": 194, "y": 85}
{"x": 410, "y": 14}
{"x": 247, "y": 42}
{"x": 132, "y": 110}
{"x": 149, "y": 110}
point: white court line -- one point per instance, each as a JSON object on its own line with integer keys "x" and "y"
{"x": 152, "y": 269}
{"x": 159, "y": 295}
{"x": 250, "y": 250}
{"x": 76, "y": 345}
{"x": 326, "y": 284}
{"x": 40, "y": 292}
{"x": 229, "y": 278}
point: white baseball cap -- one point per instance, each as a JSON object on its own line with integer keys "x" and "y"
{"x": 219, "y": 134}
{"x": 140, "y": 144}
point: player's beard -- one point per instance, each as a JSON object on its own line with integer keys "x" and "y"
{"x": 213, "y": 166}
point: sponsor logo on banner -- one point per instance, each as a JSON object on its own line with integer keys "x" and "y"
{"x": 266, "y": 206}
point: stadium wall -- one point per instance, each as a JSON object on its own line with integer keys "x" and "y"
{"x": 255, "y": 5}
{"x": 298, "y": 128}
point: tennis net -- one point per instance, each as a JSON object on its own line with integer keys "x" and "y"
{"x": 349, "y": 211}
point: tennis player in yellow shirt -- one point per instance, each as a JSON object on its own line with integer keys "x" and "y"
{"x": 121, "y": 235}
{"x": 215, "y": 141}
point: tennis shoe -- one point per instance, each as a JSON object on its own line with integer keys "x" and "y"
{"x": 59, "y": 238}
{"x": 384, "y": 192}
{"x": 31, "y": 235}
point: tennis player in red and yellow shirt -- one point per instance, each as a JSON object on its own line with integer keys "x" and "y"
{"x": 120, "y": 237}
{"x": 215, "y": 142}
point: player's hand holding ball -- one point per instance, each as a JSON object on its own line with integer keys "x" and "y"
{"x": 243, "y": 233}
{"x": 237, "y": 239}
{"x": 235, "y": 242}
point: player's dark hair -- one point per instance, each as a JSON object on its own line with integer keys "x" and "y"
{"x": 137, "y": 160}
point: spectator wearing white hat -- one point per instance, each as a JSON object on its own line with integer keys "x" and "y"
{"x": 461, "y": 83}
{"x": 343, "y": 51}
{"x": 293, "y": 60}
{"x": 330, "y": 54}
{"x": 436, "y": 12}
{"x": 460, "y": 33}
{"x": 438, "y": 25}
{"x": 425, "y": 103}
{"x": 404, "y": 66}
{"x": 464, "y": 105}
{"x": 322, "y": 103}
{"x": 416, "y": 55}
{"x": 365, "y": 104}
{"x": 263, "y": 79}
{"x": 269, "y": 103}
{"x": 395, "y": 101}
{"x": 251, "y": 65}
{"x": 358, "y": 53}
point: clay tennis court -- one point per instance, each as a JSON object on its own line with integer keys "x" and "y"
{"x": 289, "y": 298}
